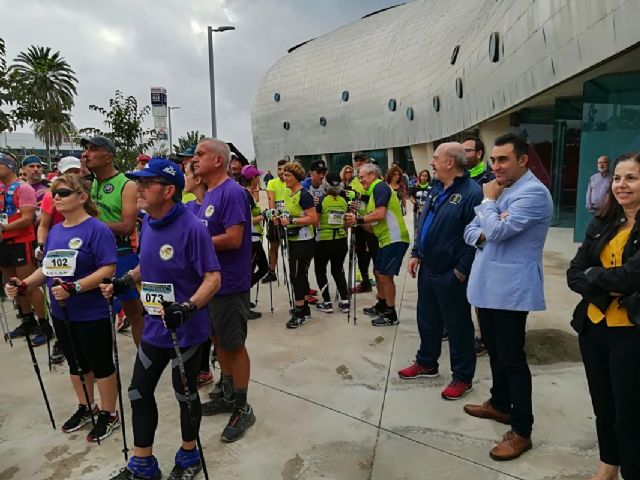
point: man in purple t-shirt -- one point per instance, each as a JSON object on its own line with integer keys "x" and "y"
{"x": 225, "y": 210}
{"x": 178, "y": 274}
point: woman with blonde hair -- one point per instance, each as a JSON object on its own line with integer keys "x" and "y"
{"x": 346, "y": 175}
{"x": 79, "y": 252}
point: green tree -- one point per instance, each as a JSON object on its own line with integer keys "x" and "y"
{"x": 7, "y": 118}
{"x": 125, "y": 128}
{"x": 45, "y": 87}
{"x": 55, "y": 130}
{"x": 191, "y": 138}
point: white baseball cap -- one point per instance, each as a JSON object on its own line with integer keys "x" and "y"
{"x": 67, "y": 163}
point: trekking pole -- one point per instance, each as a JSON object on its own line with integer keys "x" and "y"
{"x": 74, "y": 353}
{"x": 116, "y": 361}
{"x": 34, "y": 360}
{"x": 5, "y": 325}
{"x": 46, "y": 312}
{"x": 283, "y": 248}
{"x": 185, "y": 388}
{"x": 350, "y": 277}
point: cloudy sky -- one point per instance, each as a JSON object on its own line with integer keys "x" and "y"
{"x": 132, "y": 45}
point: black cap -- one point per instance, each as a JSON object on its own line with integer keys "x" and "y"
{"x": 99, "y": 141}
{"x": 333, "y": 179}
{"x": 318, "y": 166}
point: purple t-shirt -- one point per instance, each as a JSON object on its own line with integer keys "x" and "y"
{"x": 222, "y": 207}
{"x": 192, "y": 206}
{"x": 96, "y": 247}
{"x": 179, "y": 253}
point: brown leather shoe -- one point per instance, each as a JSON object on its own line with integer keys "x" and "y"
{"x": 486, "y": 410}
{"x": 512, "y": 446}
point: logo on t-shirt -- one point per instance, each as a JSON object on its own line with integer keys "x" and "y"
{"x": 75, "y": 243}
{"x": 209, "y": 211}
{"x": 108, "y": 188}
{"x": 455, "y": 198}
{"x": 166, "y": 252}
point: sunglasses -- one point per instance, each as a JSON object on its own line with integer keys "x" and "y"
{"x": 147, "y": 183}
{"x": 63, "y": 192}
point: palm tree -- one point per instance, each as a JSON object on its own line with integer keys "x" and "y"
{"x": 47, "y": 87}
{"x": 55, "y": 130}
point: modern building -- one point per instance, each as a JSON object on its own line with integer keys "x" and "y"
{"x": 22, "y": 144}
{"x": 396, "y": 83}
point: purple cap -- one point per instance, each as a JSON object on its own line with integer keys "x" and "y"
{"x": 249, "y": 172}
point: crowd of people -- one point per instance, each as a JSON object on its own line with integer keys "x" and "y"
{"x": 178, "y": 246}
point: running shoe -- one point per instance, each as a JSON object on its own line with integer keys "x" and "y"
{"x": 241, "y": 420}
{"x": 479, "y": 347}
{"x": 187, "y": 466}
{"x": 311, "y": 299}
{"x": 105, "y": 425}
{"x": 362, "y": 288}
{"x": 126, "y": 474}
{"x": 215, "y": 407}
{"x": 377, "y": 310}
{"x": 57, "y": 356}
{"x": 416, "y": 371}
{"x": 325, "y": 307}
{"x": 79, "y": 419}
{"x": 253, "y": 315}
{"x": 298, "y": 318}
{"x": 204, "y": 378}
{"x": 29, "y": 324}
{"x": 388, "y": 319}
{"x": 269, "y": 277}
{"x": 344, "y": 306}
{"x": 312, "y": 292}
{"x": 456, "y": 390}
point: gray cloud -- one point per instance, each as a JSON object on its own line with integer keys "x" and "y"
{"x": 135, "y": 44}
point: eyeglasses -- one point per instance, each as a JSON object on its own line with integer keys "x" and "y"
{"x": 62, "y": 193}
{"x": 147, "y": 183}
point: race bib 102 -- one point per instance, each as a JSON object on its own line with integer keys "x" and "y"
{"x": 60, "y": 263}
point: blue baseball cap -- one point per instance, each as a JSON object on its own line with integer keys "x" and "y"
{"x": 31, "y": 159}
{"x": 189, "y": 152}
{"x": 160, "y": 167}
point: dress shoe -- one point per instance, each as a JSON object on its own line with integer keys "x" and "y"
{"x": 512, "y": 446}
{"x": 486, "y": 410}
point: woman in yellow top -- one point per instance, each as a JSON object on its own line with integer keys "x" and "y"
{"x": 606, "y": 272}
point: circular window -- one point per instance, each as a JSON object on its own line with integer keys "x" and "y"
{"x": 494, "y": 47}
{"x": 323, "y": 121}
{"x": 454, "y": 55}
{"x": 392, "y": 105}
{"x": 436, "y": 103}
{"x": 345, "y": 96}
{"x": 286, "y": 125}
{"x": 276, "y": 97}
{"x": 459, "y": 90}
{"x": 410, "y": 113}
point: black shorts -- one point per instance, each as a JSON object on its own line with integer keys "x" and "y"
{"x": 272, "y": 232}
{"x": 229, "y": 314}
{"x": 92, "y": 343}
{"x": 16, "y": 254}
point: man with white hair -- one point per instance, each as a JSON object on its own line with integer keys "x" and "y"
{"x": 226, "y": 212}
{"x": 444, "y": 261}
{"x": 383, "y": 216}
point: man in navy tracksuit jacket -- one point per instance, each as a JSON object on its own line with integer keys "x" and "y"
{"x": 445, "y": 262}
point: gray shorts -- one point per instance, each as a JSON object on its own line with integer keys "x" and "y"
{"x": 229, "y": 314}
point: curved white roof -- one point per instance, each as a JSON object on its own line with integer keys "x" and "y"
{"x": 404, "y": 54}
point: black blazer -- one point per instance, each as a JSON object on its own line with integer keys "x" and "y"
{"x": 589, "y": 278}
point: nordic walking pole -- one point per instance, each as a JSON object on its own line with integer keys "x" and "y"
{"x": 5, "y": 325}
{"x": 74, "y": 353}
{"x": 34, "y": 360}
{"x": 185, "y": 388}
{"x": 116, "y": 361}
{"x": 283, "y": 248}
{"x": 46, "y": 309}
{"x": 350, "y": 277}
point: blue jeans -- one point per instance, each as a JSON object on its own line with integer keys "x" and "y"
{"x": 442, "y": 302}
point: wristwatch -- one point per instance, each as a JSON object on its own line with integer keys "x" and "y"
{"x": 294, "y": 221}
{"x": 77, "y": 287}
{"x": 359, "y": 220}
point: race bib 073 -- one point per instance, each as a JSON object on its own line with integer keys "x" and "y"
{"x": 154, "y": 294}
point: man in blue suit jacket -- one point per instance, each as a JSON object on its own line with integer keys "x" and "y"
{"x": 506, "y": 283}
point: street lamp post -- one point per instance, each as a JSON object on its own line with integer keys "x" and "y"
{"x": 210, "y": 31}
{"x": 170, "y": 129}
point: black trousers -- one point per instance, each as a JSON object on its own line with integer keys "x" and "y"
{"x": 334, "y": 251}
{"x": 366, "y": 248}
{"x": 149, "y": 365}
{"x": 259, "y": 263}
{"x": 300, "y": 256}
{"x": 503, "y": 333}
{"x": 611, "y": 357}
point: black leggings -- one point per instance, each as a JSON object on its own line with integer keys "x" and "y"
{"x": 612, "y": 362}
{"x": 334, "y": 251}
{"x": 92, "y": 343}
{"x": 366, "y": 249}
{"x": 259, "y": 263}
{"x": 300, "y": 256}
{"x": 150, "y": 363}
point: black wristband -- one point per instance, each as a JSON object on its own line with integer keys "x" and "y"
{"x": 360, "y": 220}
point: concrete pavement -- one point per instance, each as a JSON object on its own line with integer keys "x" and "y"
{"x": 330, "y": 405}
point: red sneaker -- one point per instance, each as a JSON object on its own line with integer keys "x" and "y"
{"x": 311, "y": 300}
{"x": 415, "y": 371}
{"x": 204, "y": 378}
{"x": 312, "y": 292}
{"x": 456, "y": 390}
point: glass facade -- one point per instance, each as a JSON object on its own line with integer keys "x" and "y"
{"x": 610, "y": 126}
